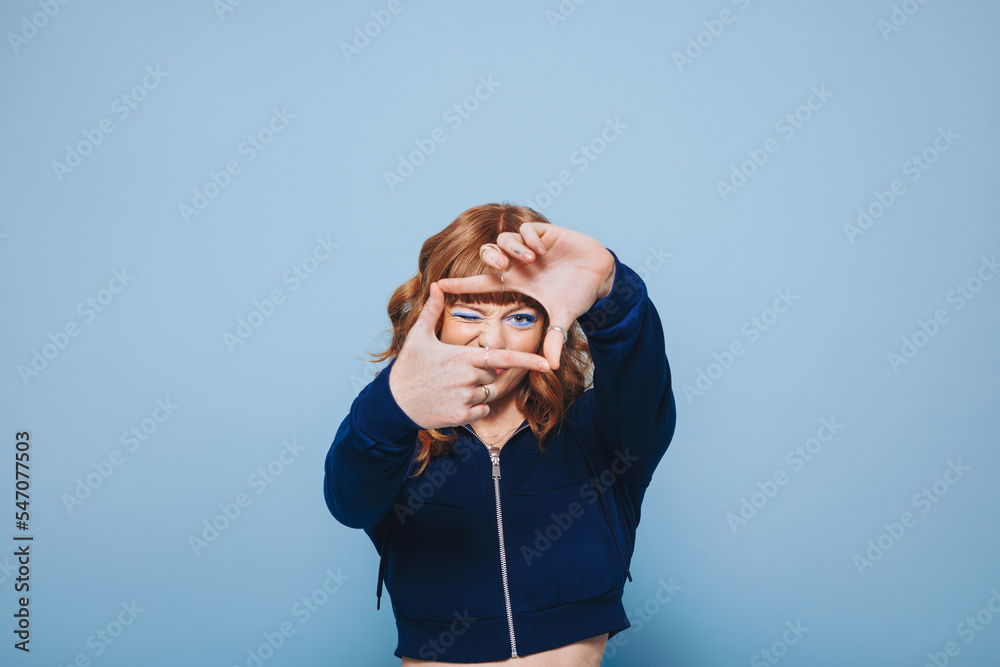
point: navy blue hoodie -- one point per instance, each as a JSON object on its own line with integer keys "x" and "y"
{"x": 487, "y": 558}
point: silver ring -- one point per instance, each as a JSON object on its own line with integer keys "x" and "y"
{"x": 501, "y": 284}
{"x": 565, "y": 335}
{"x": 486, "y": 358}
{"x": 487, "y": 390}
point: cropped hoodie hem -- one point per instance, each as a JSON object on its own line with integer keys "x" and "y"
{"x": 539, "y": 631}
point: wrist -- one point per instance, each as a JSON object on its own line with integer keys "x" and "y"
{"x": 379, "y": 413}
{"x": 609, "y": 281}
{"x": 397, "y": 393}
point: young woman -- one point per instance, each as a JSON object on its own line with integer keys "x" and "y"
{"x": 499, "y": 461}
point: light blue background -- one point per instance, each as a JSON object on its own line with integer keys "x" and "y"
{"x": 653, "y": 191}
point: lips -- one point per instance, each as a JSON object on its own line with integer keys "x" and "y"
{"x": 499, "y": 371}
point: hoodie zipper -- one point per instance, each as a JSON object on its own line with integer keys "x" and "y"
{"x": 495, "y": 460}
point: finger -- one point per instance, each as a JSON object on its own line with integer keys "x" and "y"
{"x": 487, "y": 282}
{"x": 479, "y": 395}
{"x": 553, "y": 343}
{"x": 530, "y": 233}
{"x": 473, "y": 413}
{"x": 513, "y": 244}
{"x": 494, "y": 256}
{"x": 431, "y": 312}
{"x": 477, "y": 412}
{"x": 508, "y": 359}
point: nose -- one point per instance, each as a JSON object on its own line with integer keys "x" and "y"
{"x": 492, "y": 334}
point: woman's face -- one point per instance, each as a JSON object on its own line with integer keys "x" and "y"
{"x": 512, "y": 327}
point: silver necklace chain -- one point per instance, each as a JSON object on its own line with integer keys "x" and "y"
{"x": 495, "y": 438}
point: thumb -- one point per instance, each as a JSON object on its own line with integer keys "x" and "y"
{"x": 431, "y": 311}
{"x": 552, "y": 343}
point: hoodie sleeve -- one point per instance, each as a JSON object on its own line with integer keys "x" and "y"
{"x": 370, "y": 456}
{"x": 633, "y": 406}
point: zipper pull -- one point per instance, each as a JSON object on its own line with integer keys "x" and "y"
{"x": 495, "y": 458}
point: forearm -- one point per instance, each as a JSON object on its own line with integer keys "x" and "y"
{"x": 370, "y": 457}
{"x": 634, "y": 408}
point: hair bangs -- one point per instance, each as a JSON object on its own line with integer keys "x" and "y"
{"x": 467, "y": 264}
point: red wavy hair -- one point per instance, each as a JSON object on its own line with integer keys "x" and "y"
{"x": 453, "y": 252}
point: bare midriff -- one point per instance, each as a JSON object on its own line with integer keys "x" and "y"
{"x": 584, "y": 653}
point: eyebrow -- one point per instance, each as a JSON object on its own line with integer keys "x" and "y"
{"x": 479, "y": 309}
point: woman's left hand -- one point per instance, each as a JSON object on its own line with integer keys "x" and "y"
{"x": 564, "y": 270}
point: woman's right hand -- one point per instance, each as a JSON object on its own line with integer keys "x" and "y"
{"x": 439, "y": 385}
